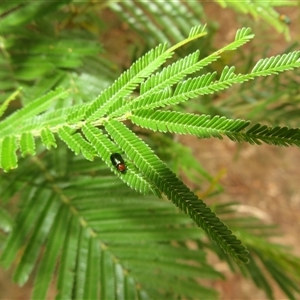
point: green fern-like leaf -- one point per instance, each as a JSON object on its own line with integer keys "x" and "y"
{"x": 203, "y": 126}
{"x": 94, "y": 240}
{"x": 40, "y": 231}
{"x": 156, "y": 85}
{"x": 160, "y": 175}
{"x": 36, "y": 107}
{"x": 128, "y": 81}
{"x": 204, "y": 84}
{"x": 276, "y": 64}
{"x": 282, "y": 136}
{"x": 171, "y": 74}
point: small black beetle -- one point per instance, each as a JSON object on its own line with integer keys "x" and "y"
{"x": 285, "y": 19}
{"x": 118, "y": 162}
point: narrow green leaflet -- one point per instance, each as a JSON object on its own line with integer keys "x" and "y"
{"x": 119, "y": 275}
{"x": 27, "y": 144}
{"x": 8, "y": 156}
{"x": 81, "y": 264}
{"x": 35, "y": 241}
{"x": 67, "y": 267}
{"x": 108, "y": 284}
{"x": 48, "y": 138}
{"x": 92, "y": 280}
{"x": 26, "y": 220}
{"x": 65, "y": 133}
{"x": 49, "y": 260}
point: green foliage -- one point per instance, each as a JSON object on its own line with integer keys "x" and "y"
{"x": 105, "y": 240}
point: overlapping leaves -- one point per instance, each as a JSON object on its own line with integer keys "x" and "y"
{"x": 100, "y": 242}
{"x": 100, "y": 248}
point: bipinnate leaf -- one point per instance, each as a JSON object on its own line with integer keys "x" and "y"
{"x": 157, "y": 172}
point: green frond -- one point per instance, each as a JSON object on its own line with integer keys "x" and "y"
{"x": 76, "y": 142}
{"x": 122, "y": 244}
{"x": 196, "y": 31}
{"x": 101, "y": 239}
{"x": 12, "y": 122}
{"x": 128, "y": 81}
{"x": 156, "y": 171}
{"x": 184, "y": 90}
{"x": 242, "y": 36}
{"x": 281, "y": 136}
{"x": 26, "y": 220}
{"x": 203, "y": 126}
{"x": 276, "y": 64}
{"x": 105, "y": 147}
{"x": 79, "y": 226}
{"x": 52, "y": 120}
{"x": 27, "y": 144}
{"x": 227, "y": 74}
{"x": 204, "y": 84}
{"x": 155, "y": 86}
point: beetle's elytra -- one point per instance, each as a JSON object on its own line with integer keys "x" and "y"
{"x": 118, "y": 161}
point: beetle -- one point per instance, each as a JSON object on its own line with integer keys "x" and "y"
{"x": 118, "y": 161}
{"x": 285, "y": 19}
